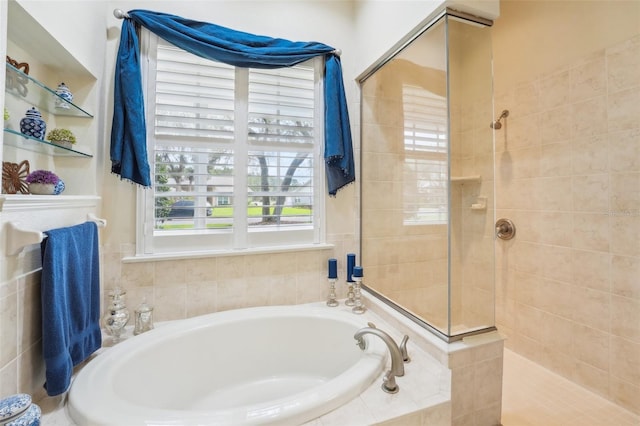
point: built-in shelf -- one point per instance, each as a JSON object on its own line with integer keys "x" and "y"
{"x": 18, "y": 140}
{"x": 466, "y": 179}
{"x": 27, "y": 202}
{"x": 27, "y": 88}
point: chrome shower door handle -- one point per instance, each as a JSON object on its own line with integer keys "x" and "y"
{"x": 505, "y": 229}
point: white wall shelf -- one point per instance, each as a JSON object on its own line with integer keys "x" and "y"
{"x": 28, "y": 202}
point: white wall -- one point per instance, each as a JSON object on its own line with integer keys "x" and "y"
{"x": 77, "y": 25}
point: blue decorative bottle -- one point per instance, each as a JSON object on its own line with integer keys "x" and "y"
{"x": 33, "y": 125}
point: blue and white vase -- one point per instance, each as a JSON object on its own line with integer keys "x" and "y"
{"x": 31, "y": 417}
{"x": 58, "y": 188}
{"x": 14, "y": 405}
{"x": 66, "y": 95}
{"x": 33, "y": 125}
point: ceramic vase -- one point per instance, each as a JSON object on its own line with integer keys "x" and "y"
{"x": 30, "y": 417}
{"x": 42, "y": 188}
{"x": 63, "y": 92}
{"x": 13, "y": 406}
{"x": 58, "y": 188}
{"x": 33, "y": 125}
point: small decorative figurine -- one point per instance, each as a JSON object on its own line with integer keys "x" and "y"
{"x": 13, "y": 177}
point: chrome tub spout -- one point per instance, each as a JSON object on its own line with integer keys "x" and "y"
{"x": 397, "y": 363}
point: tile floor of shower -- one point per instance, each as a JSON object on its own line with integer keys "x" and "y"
{"x": 535, "y": 396}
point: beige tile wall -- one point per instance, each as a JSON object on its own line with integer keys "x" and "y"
{"x": 21, "y": 364}
{"x": 185, "y": 288}
{"x": 476, "y": 384}
{"x": 568, "y": 175}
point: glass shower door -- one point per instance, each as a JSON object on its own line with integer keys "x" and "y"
{"x": 427, "y": 179}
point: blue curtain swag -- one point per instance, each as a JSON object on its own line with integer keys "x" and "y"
{"x": 128, "y": 148}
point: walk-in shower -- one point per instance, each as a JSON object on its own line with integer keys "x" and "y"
{"x": 427, "y": 176}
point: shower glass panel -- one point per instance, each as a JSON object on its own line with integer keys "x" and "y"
{"x": 427, "y": 178}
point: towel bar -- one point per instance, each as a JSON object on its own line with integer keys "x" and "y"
{"x": 17, "y": 237}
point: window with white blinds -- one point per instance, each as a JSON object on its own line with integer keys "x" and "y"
{"x": 425, "y": 165}
{"x": 235, "y": 154}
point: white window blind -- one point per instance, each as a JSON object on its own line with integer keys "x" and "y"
{"x": 425, "y": 165}
{"x": 234, "y": 154}
{"x": 281, "y": 138}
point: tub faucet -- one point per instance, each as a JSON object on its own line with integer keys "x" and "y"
{"x": 397, "y": 363}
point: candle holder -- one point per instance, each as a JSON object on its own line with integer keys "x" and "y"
{"x": 332, "y": 299}
{"x": 351, "y": 263}
{"x": 358, "y": 306}
{"x": 351, "y": 300}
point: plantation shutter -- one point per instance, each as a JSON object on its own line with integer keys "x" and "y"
{"x": 281, "y": 116}
{"x": 234, "y": 154}
{"x": 194, "y": 134}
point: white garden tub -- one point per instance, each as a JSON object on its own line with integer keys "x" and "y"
{"x": 268, "y": 365}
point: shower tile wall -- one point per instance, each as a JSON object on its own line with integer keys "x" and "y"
{"x": 472, "y": 230}
{"x": 568, "y": 175}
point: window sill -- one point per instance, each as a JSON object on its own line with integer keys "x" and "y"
{"x": 222, "y": 253}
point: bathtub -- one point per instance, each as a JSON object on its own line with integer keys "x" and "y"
{"x": 255, "y": 366}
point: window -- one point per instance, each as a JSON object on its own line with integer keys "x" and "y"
{"x": 425, "y": 165}
{"x": 235, "y": 154}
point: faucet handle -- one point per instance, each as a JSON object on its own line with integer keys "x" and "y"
{"x": 403, "y": 349}
{"x": 389, "y": 384}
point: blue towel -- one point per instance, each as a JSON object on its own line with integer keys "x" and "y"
{"x": 70, "y": 301}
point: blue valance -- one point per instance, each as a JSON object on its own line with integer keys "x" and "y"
{"x": 128, "y": 134}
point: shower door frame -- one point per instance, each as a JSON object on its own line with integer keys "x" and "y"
{"x": 426, "y": 24}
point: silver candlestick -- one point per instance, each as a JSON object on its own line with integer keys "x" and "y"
{"x": 332, "y": 300}
{"x": 358, "y": 306}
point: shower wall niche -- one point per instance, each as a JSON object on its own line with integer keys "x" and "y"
{"x": 427, "y": 177}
